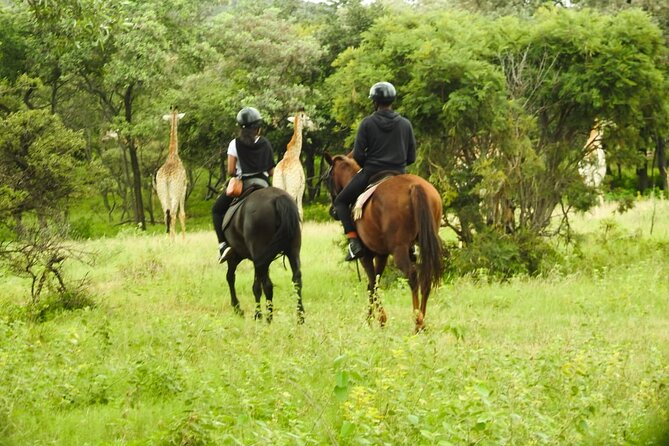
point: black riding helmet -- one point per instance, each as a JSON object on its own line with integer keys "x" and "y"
{"x": 249, "y": 117}
{"x": 382, "y": 93}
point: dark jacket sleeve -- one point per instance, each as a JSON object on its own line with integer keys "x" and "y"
{"x": 360, "y": 145}
{"x": 411, "y": 150}
{"x": 270, "y": 151}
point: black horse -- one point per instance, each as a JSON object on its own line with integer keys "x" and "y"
{"x": 266, "y": 225}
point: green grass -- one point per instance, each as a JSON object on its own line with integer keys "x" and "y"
{"x": 577, "y": 357}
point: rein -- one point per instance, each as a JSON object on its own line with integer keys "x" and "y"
{"x": 328, "y": 178}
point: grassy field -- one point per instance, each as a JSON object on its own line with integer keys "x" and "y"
{"x": 580, "y": 356}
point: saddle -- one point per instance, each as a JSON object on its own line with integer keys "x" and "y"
{"x": 251, "y": 185}
{"x": 369, "y": 191}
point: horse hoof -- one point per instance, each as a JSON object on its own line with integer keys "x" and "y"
{"x": 238, "y": 311}
{"x": 383, "y": 317}
{"x": 300, "y": 318}
{"x": 258, "y": 316}
{"x": 420, "y": 322}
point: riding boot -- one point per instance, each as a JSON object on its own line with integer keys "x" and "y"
{"x": 223, "y": 251}
{"x": 355, "y": 249}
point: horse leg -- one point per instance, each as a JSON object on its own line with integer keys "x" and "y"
{"x": 404, "y": 263}
{"x": 258, "y": 279}
{"x": 372, "y": 283}
{"x": 379, "y": 267}
{"x": 294, "y": 260}
{"x": 230, "y": 276}
{"x": 268, "y": 289}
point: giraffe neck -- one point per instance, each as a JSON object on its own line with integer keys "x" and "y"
{"x": 295, "y": 144}
{"x": 174, "y": 142}
{"x": 595, "y": 138}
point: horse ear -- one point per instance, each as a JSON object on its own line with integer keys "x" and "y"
{"x": 327, "y": 157}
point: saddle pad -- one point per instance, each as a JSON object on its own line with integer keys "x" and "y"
{"x": 363, "y": 197}
{"x": 231, "y": 211}
{"x": 237, "y": 202}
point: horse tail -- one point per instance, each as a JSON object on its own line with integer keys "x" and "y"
{"x": 431, "y": 262}
{"x": 168, "y": 219}
{"x": 287, "y": 227}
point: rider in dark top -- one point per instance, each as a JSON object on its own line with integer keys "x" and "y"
{"x": 385, "y": 142}
{"x": 251, "y": 158}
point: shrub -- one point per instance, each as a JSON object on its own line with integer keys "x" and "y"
{"x": 501, "y": 256}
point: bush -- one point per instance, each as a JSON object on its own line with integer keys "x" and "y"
{"x": 500, "y": 256}
{"x": 317, "y": 212}
{"x": 82, "y": 228}
{"x": 56, "y": 303}
{"x": 611, "y": 247}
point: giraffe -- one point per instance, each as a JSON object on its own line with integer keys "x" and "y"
{"x": 288, "y": 173}
{"x": 171, "y": 181}
{"x": 593, "y": 166}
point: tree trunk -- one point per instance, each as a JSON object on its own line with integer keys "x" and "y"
{"x": 642, "y": 175}
{"x": 662, "y": 161}
{"x": 134, "y": 163}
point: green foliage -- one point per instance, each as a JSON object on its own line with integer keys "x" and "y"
{"x": 39, "y": 255}
{"x": 191, "y": 429}
{"x": 162, "y": 359}
{"x": 41, "y": 164}
{"x": 12, "y": 47}
{"x": 54, "y": 303}
{"x": 495, "y": 256}
{"x": 502, "y": 108}
{"x": 317, "y": 212}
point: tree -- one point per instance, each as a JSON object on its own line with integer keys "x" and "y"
{"x": 141, "y": 56}
{"x": 502, "y": 107}
{"x": 41, "y": 165}
{"x": 254, "y": 58}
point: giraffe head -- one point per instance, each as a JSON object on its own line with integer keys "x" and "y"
{"x": 173, "y": 115}
{"x": 304, "y": 120}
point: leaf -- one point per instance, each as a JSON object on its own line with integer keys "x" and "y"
{"x": 342, "y": 378}
{"x": 339, "y": 360}
{"x": 347, "y": 429}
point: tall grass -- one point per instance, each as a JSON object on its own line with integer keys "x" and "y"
{"x": 576, "y": 357}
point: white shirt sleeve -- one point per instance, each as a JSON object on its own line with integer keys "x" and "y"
{"x": 232, "y": 151}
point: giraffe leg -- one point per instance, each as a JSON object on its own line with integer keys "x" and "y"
{"x": 299, "y": 204}
{"x": 182, "y": 218}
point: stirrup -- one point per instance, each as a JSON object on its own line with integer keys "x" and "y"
{"x": 353, "y": 251}
{"x": 224, "y": 252}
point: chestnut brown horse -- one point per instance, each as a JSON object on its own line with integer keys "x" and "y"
{"x": 405, "y": 210}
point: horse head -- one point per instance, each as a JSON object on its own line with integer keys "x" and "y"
{"x": 341, "y": 171}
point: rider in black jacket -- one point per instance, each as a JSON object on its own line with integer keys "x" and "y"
{"x": 384, "y": 142}
{"x": 251, "y": 158}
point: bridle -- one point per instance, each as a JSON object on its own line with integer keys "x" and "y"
{"x": 328, "y": 179}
